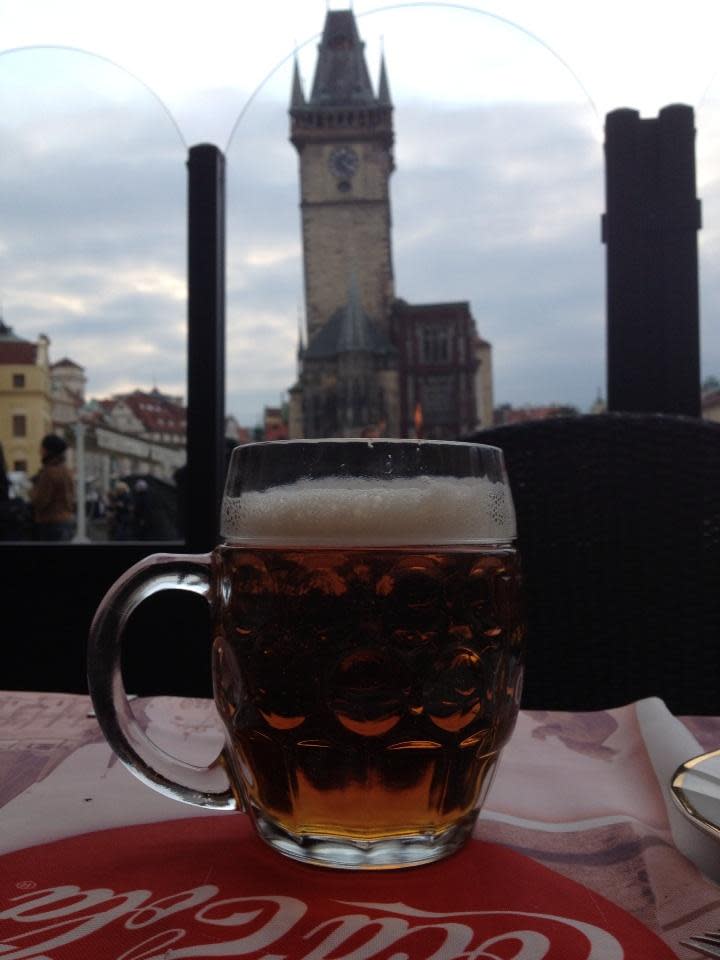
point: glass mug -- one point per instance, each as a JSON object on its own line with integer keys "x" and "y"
{"x": 367, "y": 651}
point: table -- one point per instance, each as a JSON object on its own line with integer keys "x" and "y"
{"x": 576, "y": 793}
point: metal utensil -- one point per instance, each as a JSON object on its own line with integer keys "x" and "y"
{"x": 706, "y": 943}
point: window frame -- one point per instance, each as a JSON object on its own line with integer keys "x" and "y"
{"x": 19, "y": 420}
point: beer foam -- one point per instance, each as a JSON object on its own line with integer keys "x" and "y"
{"x": 370, "y": 512}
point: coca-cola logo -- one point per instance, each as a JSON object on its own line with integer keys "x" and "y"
{"x": 65, "y": 915}
{"x": 486, "y": 903}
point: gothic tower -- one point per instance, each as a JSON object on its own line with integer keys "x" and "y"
{"x": 344, "y": 137}
{"x": 373, "y": 365}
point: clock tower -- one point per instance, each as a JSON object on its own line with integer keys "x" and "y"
{"x": 373, "y": 364}
{"x": 344, "y": 137}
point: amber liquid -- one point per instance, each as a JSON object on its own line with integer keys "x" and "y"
{"x": 366, "y": 692}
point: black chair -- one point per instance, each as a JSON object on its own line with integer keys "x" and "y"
{"x": 619, "y": 529}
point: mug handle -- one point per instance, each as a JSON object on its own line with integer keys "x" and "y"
{"x": 203, "y": 786}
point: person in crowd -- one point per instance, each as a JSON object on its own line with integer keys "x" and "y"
{"x": 53, "y": 493}
{"x": 15, "y": 513}
{"x": 120, "y": 512}
{"x": 151, "y": 516}
{"x": 142, "y": 512}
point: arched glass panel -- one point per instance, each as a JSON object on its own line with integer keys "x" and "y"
{"x": 93, "y": 289}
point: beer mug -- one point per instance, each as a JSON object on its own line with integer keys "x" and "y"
{"x": 367, "y": 647}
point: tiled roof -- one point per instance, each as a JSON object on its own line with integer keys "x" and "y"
{"x": 17, "y": 351}
{"x": 156, "y": 412}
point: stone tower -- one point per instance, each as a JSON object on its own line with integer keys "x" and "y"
{"x": 344, "y": 137}
{"x": 373, "y": 365}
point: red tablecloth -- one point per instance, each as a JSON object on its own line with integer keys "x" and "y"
{"x": 573, "y": 855}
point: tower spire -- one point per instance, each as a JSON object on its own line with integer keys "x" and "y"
{"x": 341, "y": 75}
{"x": 383, "y": 85}
{"x": 297, "y": 97}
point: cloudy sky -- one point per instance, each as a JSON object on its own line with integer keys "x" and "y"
{"x": 497, "y": 194}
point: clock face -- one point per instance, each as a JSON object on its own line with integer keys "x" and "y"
{"x": 343, "y": 162}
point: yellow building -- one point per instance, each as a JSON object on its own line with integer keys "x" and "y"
{"x": 25, "y": 399}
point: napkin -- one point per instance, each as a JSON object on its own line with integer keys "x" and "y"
{"x": 669, "y": 744}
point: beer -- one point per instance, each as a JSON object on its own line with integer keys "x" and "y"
{"x": 367, "y": 681}
{"x": 367, "y": 647}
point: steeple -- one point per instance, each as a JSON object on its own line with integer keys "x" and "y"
{"x": 297, "y": 97}
{"x": 383, "y": 85}
{"x": 341, "y": 75}
{"x": 342, "y": 99}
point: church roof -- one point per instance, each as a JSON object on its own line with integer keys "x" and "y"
{"x": 349, "y": 330}
{"x": 341, "y": 75}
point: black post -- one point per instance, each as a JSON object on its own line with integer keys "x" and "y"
{"x": 206, "y": 346}
{"x": 650, "y": 229}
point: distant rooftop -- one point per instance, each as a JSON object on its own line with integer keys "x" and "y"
{"x": 14, "y": 349}
{"x": 66, "y": 362}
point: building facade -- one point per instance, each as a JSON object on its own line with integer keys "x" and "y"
{"x": 25, "y": 399}
{"x": 367, "y": 368}
{"x": 142, "y": 432}
{"x": 67, "y": 385}
{"x": 445, "y": 370}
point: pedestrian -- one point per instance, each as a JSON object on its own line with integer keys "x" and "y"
{"x": 53, "y": 493}
{"x": 120, "y": 512}
{"x": 142, "y": 512}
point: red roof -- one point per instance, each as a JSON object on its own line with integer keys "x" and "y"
{"x": 17, "y": 351}
{"x": 523, "y": 414}
{"x": 156, "y": 412}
